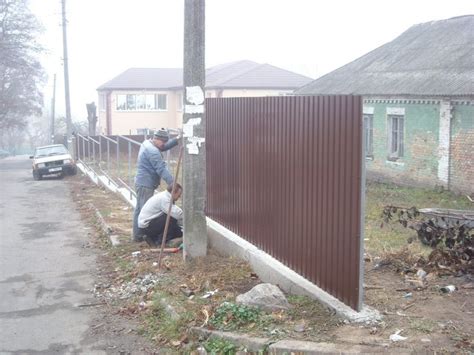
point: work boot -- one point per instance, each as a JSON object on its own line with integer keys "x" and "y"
{"x": 137, "y": 238}
{"x": 174, "y": 243}
{"x": 149, "y": 241}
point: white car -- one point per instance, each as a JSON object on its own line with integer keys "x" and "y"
{"x": 52, "y": 160}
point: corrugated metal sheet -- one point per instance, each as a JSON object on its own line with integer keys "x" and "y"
{"x": 285, "y": 173}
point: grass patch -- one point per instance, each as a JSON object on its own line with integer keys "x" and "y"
{"x": 423, "y": 325}
{"x": 160, "y": 325}
{"x": 393, "y": 237}
{"x": 230, "y": 316}
{"x": 126, "y": 267}
{"x": 219, "y": 346}
{"x": 311, "y": 312}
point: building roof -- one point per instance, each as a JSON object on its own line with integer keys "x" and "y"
{"x": 145, "y": 78}
{"x": 243, "y": 74}
{"x": 433, "y": 58}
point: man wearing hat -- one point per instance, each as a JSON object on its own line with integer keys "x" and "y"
{"x": 151, "y": 168}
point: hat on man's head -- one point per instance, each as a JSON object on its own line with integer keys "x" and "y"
{"x": 161, "y": 134}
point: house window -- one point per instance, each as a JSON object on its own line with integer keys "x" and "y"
{"x": 143, "y": 131}
{"x": 131, "y": 99}
{"x": 160, "y": 102}
{"x": 142, "y": 102}
{"x": 395, "y": 136}
{"x": 150, "y": 102}
{"x": 369, "y": 134}
{"x": 121, "y": 102}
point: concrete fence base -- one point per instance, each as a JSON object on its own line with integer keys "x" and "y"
{"x": 271, "y": 270}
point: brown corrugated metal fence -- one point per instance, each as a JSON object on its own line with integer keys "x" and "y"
{"x": 285, "y": 173}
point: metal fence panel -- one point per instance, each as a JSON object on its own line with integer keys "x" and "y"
{"x": 285, "y": 173}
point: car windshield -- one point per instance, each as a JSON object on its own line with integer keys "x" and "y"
{"x": 48, "y": 151}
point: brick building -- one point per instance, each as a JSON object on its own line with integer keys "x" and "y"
{"x": 418, "y": 104}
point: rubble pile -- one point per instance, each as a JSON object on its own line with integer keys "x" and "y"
{"x": 136, "y": 287}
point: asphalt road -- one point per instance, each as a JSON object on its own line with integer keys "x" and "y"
{"x": 45, "y": 271}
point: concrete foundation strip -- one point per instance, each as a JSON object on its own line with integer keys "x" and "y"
{"x": 255, "y": 344}
{"x": 267, "y": 268}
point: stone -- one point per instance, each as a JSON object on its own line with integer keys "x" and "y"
{"x": 265, "y": 296}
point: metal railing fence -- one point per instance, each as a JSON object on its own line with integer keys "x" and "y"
{"x": 115, "y": 156}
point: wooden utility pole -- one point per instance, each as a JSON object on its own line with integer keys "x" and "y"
{"x": 53, "y": 109}
{"x": 194, "y": 129}
{"x": 66, "y": 76}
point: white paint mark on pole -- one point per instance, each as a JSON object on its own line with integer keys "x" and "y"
{"x": 188, "y": 130}
{"x": 188, "y": 127}
{"x": 194, "y": 121}
{"x": 192, "y": 149}
{"x": 194, "y": 143}
{"x": 194, "y": 95}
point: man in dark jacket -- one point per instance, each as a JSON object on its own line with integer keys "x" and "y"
{"x": 150, "y": 169}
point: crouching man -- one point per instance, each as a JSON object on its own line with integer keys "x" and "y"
{"x": 152, "y": 218}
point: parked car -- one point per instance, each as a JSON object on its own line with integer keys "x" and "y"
{"x": 52, "y": 160}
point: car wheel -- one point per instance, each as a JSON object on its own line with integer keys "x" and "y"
{"x": 36, "y": 175}
{"x": 73, "y": 171}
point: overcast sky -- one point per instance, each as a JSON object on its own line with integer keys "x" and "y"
{"x": 310, "y": 37}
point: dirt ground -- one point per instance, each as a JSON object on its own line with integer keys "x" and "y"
{"x": 429, "y": 319}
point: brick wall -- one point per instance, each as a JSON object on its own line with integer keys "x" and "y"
{"x": 462, "y": 148}
{"x": 419, "y": 164}
{"x": 439, "y": 144}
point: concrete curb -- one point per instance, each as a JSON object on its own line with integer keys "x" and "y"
{"x": 255, "y": 344}
{"x": 104, "y": 227}
{"x": 250, "y": 343}
{"x": 107, "y": 183}
{"x": 271, "y": 270}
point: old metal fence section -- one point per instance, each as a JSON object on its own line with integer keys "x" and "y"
{"x": 285, "y": 173}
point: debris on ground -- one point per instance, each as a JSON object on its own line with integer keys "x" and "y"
{"x": 125, "y": 288}
{"x": 138, "y": 286}
{"x": 397, "y": 337}
{"x": 448, "y": 289}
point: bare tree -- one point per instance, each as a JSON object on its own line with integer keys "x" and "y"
{"x": 21, "y": 73}
{"x": 92, "y": 117}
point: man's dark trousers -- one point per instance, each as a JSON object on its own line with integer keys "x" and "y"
{"x": 156, "y": 228}
{"x": 143, "y": 195}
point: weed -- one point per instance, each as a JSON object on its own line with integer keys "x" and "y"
{"x": 220, "y": 346}
{"x": 159, "y": 322}
{"x": 230, "y": 316}
{"x": 393, "y": 238}
{"x": 423, "y": 325}
{"x": 317, "y": 316}
{"x": 126, "y": 266}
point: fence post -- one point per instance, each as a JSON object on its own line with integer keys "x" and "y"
{"x": 130, "y": 167}
{"x": 108, "y": 157}
{"x": 83, "y": 149}
{"x": 78, "y": 153}
{"x": 100, "y": 151}
{"x": 93, "y": 152}
{"x": 118, "y": 156}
